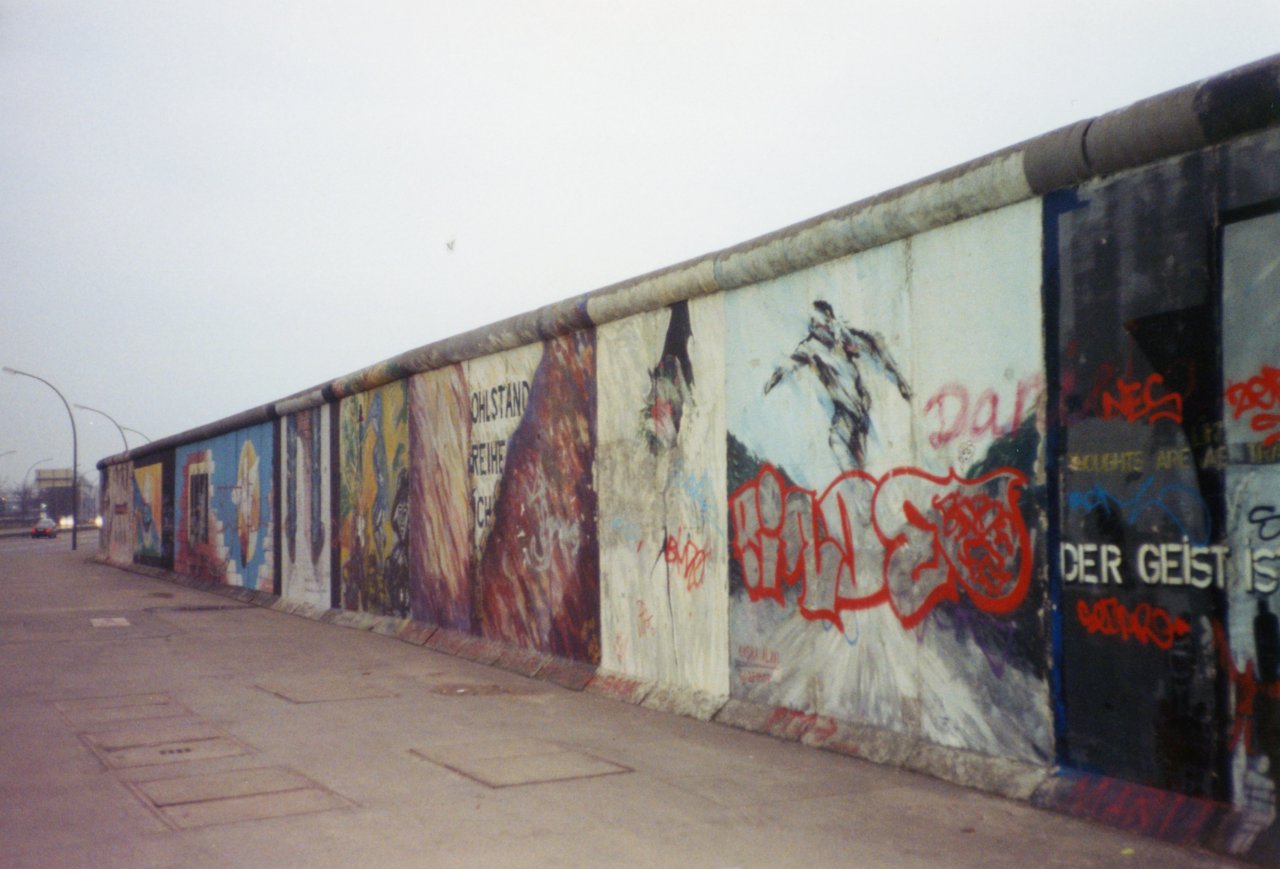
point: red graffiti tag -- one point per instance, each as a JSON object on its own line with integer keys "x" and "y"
{"x": 1149, "y": 625}
{"x": 1247, "y": 688}
{"x": 787, "y": 723}
{"x": 1260, "y": 392}
{"x": 688, "y": 556}
{"x": 1163, "y": 814}
{"x": 960, "y": 415}
{"x": 1136, "y": 401}
{"x": 644, "y": 619}
{"x": 910, "y": 540}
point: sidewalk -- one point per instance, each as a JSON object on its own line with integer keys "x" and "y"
{"x": 143, "y": 723}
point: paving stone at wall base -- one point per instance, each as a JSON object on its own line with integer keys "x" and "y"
{"x": 994, "y": 775}
{"x": 683, "y": 701}
{"x": 628, "y": 689}
{"x": 573, "y": 675}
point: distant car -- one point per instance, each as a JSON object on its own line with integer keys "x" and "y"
{"x": 45, "y": 528}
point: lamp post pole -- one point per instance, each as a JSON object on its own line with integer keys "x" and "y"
{"x": 75, "y": 453}
{"x": 2, "y": 455}
{"x": 113, "y": 422}
{"x": 138, "y": 433}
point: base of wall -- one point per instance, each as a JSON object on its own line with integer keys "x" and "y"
{"x": 1161, "y": 814}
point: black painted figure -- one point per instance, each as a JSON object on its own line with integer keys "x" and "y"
{"x": 836, "y": 352}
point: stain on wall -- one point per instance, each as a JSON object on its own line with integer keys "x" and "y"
{"x": 224, "y": 509}
{"x": 661, "y": 461}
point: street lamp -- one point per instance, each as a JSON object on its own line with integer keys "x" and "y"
{"x": 113, "y": 422}
{"x": 138, "y": 433}
{"x": 32, "y": 468}
{"x": 75, "y": 454}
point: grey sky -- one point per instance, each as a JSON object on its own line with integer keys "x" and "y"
{"x": 207, "y": 206}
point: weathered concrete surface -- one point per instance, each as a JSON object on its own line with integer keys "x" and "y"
{"x": 374, "y": 779}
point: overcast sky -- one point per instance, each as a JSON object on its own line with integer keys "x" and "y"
{"x": 206, "y": 206}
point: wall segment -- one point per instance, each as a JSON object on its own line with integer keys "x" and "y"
{"x": 974, "y": 476}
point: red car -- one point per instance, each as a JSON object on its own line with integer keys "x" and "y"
{"x": 45, "y": 528}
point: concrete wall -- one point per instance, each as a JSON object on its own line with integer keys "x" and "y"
{"x": 978, "y": 477}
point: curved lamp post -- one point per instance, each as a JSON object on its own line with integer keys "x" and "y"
{"x": 138, "y": 433}
{"x": 32, "y": 468}
{"x": 75, "y": 454}
{"x": 113, "y": 422}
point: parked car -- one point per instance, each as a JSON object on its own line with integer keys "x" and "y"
{"x": 45, "y": 527}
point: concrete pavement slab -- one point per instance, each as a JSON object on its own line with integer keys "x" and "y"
{"x": 349, "y": 782}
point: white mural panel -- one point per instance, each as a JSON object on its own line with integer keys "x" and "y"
{"x": 660, "y": 461}
{"x": 306, "y": 524}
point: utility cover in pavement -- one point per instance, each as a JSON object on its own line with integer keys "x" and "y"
{"x": 110, "y": 622}
{"x": 63, "y": 627}
{"x": 151, "y": 744}
{"x": 237, "y": 795}
{"x": 510, "y": 762}
{"x": 130, "y": 707}
{"x": 475, "y": 689}
{"x": 322, "y": 689}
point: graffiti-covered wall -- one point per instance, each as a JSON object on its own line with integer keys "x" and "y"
{"x": 1167, "y": 299}
{"x": 978, "y": 476}
{"x": 152, "y": 519}
{"x": 468, "y": 499}
{"x": 886, "y": 484}
{"x": 224, "y": 516}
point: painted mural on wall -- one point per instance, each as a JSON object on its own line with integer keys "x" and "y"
{"x": 153, "y": 512}
{"x": 1142, "y": 557}
{"x": 224, "y": 509}
{"x": 664, "y": 544}
{"x": 498, "y": 391}
{"x": 886, "y": 490}
{"x": 467, "y": 498}
{"x": 374, "y": 501}
{"x": 442, "y": 531}
{"x": 305, "y": 514}
{"x": 537, "y": 577}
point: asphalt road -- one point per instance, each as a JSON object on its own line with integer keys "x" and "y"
{"x": 146, "y": 724}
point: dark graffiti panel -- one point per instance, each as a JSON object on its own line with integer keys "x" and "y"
{"x": 1142, "y": 554}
